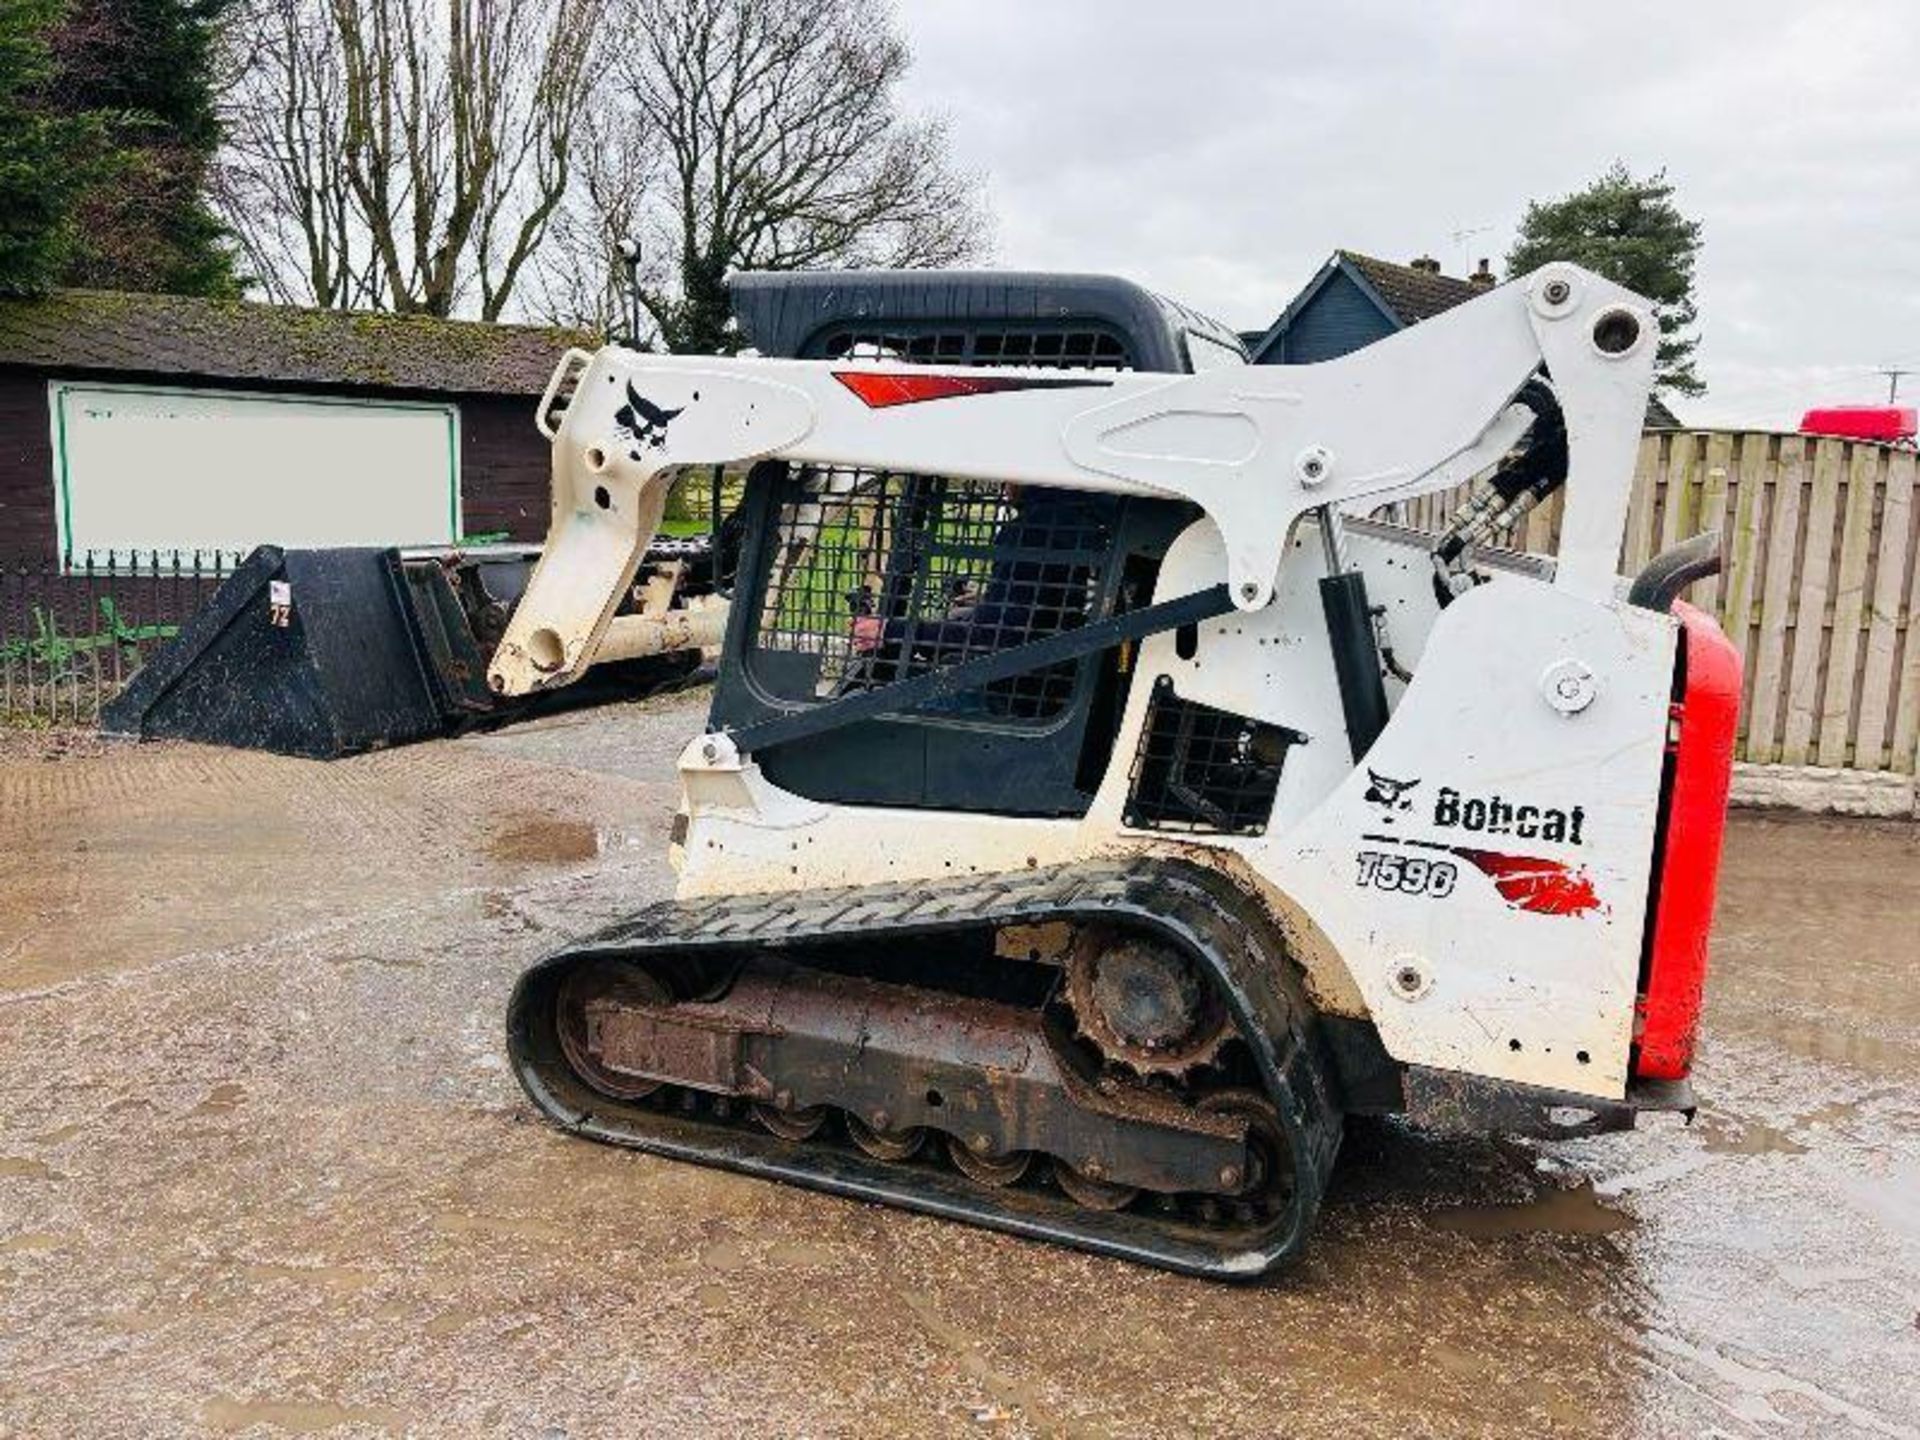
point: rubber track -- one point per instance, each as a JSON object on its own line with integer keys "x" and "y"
{"x": 1193, "y": 908}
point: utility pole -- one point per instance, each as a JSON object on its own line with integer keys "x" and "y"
{"x": 1893, "y": 374}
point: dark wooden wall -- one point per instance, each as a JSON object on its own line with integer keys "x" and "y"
{"x": 26, "y": 467}
{"x": 504, "y": 460}
{"x": 505, "y": 467}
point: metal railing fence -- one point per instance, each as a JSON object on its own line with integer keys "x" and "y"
{"x": 73, "y": 630}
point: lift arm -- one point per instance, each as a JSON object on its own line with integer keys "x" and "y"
{"x": 1256, "y": 448}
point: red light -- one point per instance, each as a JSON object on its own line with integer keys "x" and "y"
{"x": 1886, "y": 423}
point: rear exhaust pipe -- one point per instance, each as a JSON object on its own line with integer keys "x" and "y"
{"x": 1672, "y": 571}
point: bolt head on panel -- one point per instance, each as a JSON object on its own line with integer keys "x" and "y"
{"x": 1313, "y": 465}
{"x": 710, "y": 752}
{"x": 1554, "y": 292}
{"x": 1410, "y": 977}
{"x": 1569, "y": 685}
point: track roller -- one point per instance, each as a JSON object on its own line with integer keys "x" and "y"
{"x": 1090, "y": 1193}
{"x": 901, "y": 1144}
{"x": 983, "y": 1167}
{"x": 792, "y": 1124}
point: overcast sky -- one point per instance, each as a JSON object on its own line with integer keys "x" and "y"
{"x": 1218, "y": 150}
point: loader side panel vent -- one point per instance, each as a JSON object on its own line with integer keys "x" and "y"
{"x": 877, "y": 578}
{"x": 985, "y": 344}
{"x": 1204, "y": 771}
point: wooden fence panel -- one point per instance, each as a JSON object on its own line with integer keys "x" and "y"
{"x": 1711, "y": 511}
{"x": 1848, "y": 592}
{"x": 1779, "y": 544}
{"x": 1821, "y": 590}
{"x": 1746, "y": 558}
{"x": 1654, "y": 450}
{"x": 1807, "y": 642}
{"x": 1892, "y": 559}
{"x": 1906, "y": 715}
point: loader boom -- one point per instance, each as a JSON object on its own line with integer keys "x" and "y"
{"x": 1255, "y": 448}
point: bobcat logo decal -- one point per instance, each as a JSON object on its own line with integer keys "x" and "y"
{"x": 1387, "y": 792}
{"x": 645, "y": 421}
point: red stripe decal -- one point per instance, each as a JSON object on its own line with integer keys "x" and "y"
{"x": 1534, "y": 884}
{"x": 882, "y": 389}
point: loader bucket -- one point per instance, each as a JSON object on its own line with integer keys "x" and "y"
{"x": 326, "y": 653}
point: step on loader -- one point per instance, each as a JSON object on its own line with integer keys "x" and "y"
{"x": 1096, "y": 808}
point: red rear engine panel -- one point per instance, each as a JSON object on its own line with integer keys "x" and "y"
{"x": 1705, "y": 717}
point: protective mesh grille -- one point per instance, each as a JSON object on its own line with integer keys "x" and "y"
{"x": 885, "y": 577}
{"x": 1004, "y": 345}
{"x": 1199, "y": 769}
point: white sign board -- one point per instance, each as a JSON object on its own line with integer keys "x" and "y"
{"x": 140, "y": 471}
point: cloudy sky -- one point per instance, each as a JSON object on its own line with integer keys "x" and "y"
{"x": 1219, "y": 149}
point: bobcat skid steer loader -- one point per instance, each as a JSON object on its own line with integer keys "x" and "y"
{"x": 1094, "y": 811}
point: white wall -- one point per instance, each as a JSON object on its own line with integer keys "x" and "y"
{"x": 139, "y": 469}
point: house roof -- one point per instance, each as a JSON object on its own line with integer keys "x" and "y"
{"x": 1406, "y": 295}
{"x": 100, "y": 330}
{"x": 1410, "y": 295}
{"x": 1401, "y": 293}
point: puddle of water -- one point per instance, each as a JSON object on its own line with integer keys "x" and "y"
{"x": 1750, "y": 1138}
{"x": 30, "y": 1241}
{"x": 725, "y": 1255}
{"x": 1552, "y": 1212}
{"x": 462, "y": 1224}
{"x": 386, "y": 962}
{"x": 296, "y": 1417}
{"x": 790, "y": 1254}
{"x": 448, "y": 1321}
{"x": 1007, "y": 1391}
{"x": 730, "y": 1255}
{"x": 536, "y": 839}
{"x": 222, "y": 1099}
{"x": 339, "y": 1279}
{"x": 134, "y": 1322}
{"x": 19, "y": 1167}
{"x": 1816, "y": 1041}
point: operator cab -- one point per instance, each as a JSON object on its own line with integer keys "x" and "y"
{"x": 851, "y": 579}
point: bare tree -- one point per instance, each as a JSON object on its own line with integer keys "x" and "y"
{"x": 580, "y": 276}
{"x": 282, "y": 182}
{"x": 402, "y": 155}
{"x": 780, "y": 144}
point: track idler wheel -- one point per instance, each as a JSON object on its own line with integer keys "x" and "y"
{"x": 996, "y": 1172}
{"x": 900, "y": 1144}
{"x": 1266, "y": 1190}
{"x": 607, "y": 981}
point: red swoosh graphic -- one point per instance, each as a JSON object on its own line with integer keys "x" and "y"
{"x": 882, "y": 389}
{"x": 1534, "y": 884}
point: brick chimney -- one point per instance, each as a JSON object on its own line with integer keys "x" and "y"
{"x": 1425, "y": 263}
{"x": 1482, "y": 279}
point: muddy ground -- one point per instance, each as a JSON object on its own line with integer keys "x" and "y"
{"x": 262, "y": 1169}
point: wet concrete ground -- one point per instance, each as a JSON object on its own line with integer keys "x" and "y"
{"x": 262, "y": 1170}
